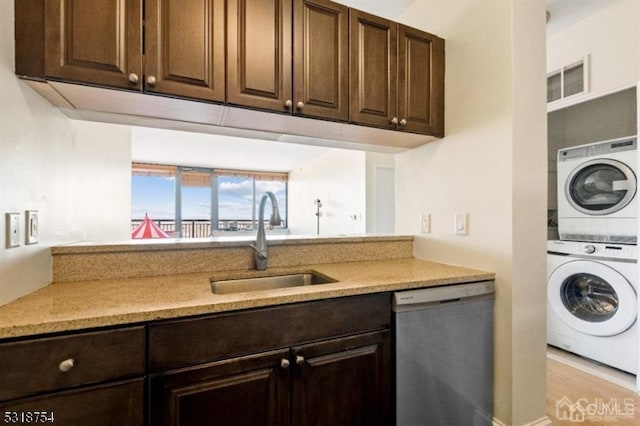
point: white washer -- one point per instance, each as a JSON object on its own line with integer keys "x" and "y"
{"x": 592, "y": 303}
{"x": 597, "y": 192}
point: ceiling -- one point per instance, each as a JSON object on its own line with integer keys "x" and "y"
{"x": 567, "y": 12}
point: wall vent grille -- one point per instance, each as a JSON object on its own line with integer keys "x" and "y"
{"x": 570, "y": 80}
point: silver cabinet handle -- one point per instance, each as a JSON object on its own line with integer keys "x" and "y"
{"x": 300, "y": 105}
{"x": 288, "y": 103}
{"x": 133, "y": 78}
{"x": 151, "y": 80}
{"x": 66, "y": 365}
{"x": 299, "y": 359}
{"x": 394, "y": 120}
{"x": 403, "y": 122}
{"x": 284, "y": 363}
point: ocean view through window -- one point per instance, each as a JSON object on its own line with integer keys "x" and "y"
{"x": 192, "y": 202}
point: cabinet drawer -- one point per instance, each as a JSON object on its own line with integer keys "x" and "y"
{"x": 37, "y": 365}
{"x": 118, "y": 404}
{"x": 173, "y": 344}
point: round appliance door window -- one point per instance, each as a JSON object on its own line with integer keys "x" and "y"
{"x": 592, "y": 298}
{"x": 600, "y": 187}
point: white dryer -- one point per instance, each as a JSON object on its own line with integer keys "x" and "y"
{"x": 592, "y": 303}
{"x": 597, "y": 192}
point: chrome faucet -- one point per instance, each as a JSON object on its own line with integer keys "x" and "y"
{"x": 260, "y": 247}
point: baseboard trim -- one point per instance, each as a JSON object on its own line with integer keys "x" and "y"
{"x": 542, "y": 421}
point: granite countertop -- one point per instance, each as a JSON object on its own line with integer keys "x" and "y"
{"x": 67, "y": 306}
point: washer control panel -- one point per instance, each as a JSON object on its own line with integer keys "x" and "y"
{"x": 605, "y": 250}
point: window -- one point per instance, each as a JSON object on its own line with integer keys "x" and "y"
{"x": 186, "y": 201}
{"x": 153, "y": 193}
{"x": 568, "y": 81}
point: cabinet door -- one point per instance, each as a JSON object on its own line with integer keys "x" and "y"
{"x": 96, "y": 42}
{"x": 321, "y": 59}
{"x": 343, "y": 382}
{"x": 259, "y": 53}
{"x": 251, "y": 390}
{"x": 373, "y": 69}
{"x": 185, "y": 48}
{"x": 420, "y": 81}
{"x": 113, "y": 404}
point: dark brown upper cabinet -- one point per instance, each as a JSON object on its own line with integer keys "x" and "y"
{"x": 261, "y": 71}
{"x": 420, "y": 81}
{"x": 183, "y": 44}
{"x": 184, "y": 48}
{"x": 396, "y": 75}
{"x": 103, "y": 48}
{"x": 321, "y": 59}
{"x": 306, "y": 58}
{"x": 259, "y": 53}
{"x": 373, "y": 69}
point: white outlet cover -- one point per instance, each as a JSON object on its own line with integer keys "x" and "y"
{"x": 31, "y": 232}
{"x": 13, "y": 230}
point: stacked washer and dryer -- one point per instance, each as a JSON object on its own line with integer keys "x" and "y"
{"x": 592, "y": 276}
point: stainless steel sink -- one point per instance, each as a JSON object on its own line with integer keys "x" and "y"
{"x": 228, "y": 286}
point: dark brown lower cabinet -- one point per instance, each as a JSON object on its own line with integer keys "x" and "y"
{"x": 336, "y": 382}
{"x": 342, "y": 382}
{"x": 251, "y": 390}
{"x": 114, "y": 404}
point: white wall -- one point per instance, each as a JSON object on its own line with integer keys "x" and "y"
{"x": 491, "y": 165}
{"x": 612, "y": 39}
{"x": 69, "y": 172}
{"x": 337, "y": 178}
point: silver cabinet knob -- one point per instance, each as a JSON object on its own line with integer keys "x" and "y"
{"x": 151, "y": 80}
{"x": 300, "y": 105}
{"x": 288, "y": 103}
{"x": 66, "y": 365}
{"x": 299, "y": 359}
{"x": 589, "y": 249}
{"x": 284, "y": 363}
{"x": 403, "y": 122}
{"x": 133, "y": 78}
{"x": 394, "y": 120}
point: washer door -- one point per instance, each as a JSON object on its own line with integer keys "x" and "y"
{"x": 600, "y": 187}
{"x": 592, "y": 298}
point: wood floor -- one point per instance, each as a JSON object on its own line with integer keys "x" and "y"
{"x": 577, "y": 397}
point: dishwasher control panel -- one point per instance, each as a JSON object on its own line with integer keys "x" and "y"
{"x": 443, "y": 294}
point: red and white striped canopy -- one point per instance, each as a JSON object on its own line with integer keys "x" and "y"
{"x": 148, "y": 229}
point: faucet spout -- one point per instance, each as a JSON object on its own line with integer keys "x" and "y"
{"x": 260, "y": 246}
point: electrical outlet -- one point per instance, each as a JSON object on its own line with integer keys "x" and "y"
{"x": 31, "y": 221}
{"x": 425, "y": 223}
{"x": 12, "y": 230}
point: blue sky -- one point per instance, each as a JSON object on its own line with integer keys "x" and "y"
{"x": 156, "y": 195}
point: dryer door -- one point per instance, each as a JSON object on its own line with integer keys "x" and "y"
{"x": 600, "y": 187}
{"x": 592, "y": 298}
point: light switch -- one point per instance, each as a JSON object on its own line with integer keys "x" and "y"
{"x": 425, "y": 223}
{"x": 12, "y": 229}
{"x": 461, "y": 224}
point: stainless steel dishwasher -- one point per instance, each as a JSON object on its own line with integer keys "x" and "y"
{"x": 443, "y": 340}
